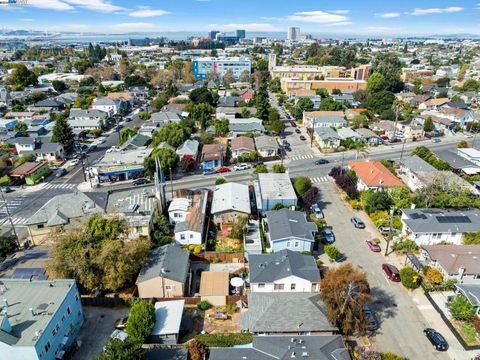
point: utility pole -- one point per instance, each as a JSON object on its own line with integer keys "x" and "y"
{"x": 10, "y": 218}
{"x": 171, "y": 182}
{"x": 390, "y": 233}
{"x": 313, "y": 132}
{"x": 401, "y": 153}
{"x": 341, "y": 166}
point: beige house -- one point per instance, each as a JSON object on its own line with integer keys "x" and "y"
{"x": 214, "y": 287}
{"x": 166, "y": 274}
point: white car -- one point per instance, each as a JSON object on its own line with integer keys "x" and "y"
{"x": 101, "y": 140}
{"x": 317, "y": 211}
{"x": 468, "y": 136}
{"x": 242, "y": 166}
{"x": 75, "y": 162}
{"x": 112, "y": 149}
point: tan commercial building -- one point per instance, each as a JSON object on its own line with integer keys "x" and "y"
{"x": 343, "y": 84}
{"x": 309, "y": 72}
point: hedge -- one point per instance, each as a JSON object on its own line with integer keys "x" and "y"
{"x": 225, "y": 339}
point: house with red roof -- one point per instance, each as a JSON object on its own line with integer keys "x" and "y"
{"x": 373, "y": 175}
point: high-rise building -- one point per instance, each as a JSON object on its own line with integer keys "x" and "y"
{"x": 293, "y": 33}
{"x": 272, "y": 61}
{"x": 240, "y": 34}
{"x": 212, "y": 35}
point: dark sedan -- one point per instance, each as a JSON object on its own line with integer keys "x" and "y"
{"x": 437, "y": 340}
{"x": 321, "y": 162}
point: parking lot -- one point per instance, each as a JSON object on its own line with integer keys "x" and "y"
{"x": 99, "y": 324}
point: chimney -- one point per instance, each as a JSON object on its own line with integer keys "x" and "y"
{"x": 5, "y": 302}
{"x": 32, "y": 311}
{"x": 5, "y": 323}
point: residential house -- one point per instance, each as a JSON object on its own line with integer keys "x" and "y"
{"x": 229, "y": 101}
{"x": 189, "y": 149}
{"x": 164, "y": 117}
{"x": 3, "y": 95}
{"x": 31, "y": 172}
{"x": 470, "y": 154}
{"x": 20, "y": 115}
{"x": 457, "y": 115}
{"x": 168, "y": 319}
{"x": 42, "y": 148}
{"x": 171, "y": 353}
{"x": 247, "y": 94}
{"x": 123, "y": 99}
{"x": 286, "y": 313}
{"x": 213, "y": 156}
{"x": 36, "y": 131}
{"x": 188, "y": 212}
{"x": 433, "y": 104}
{"x": 137, "y": 205}
{"x": 458, "y": 163}
{"x": 166, "y": 274}
{"x": 109, "y": 106}
{"x": 410, "y": 130}
{"x": 332, "y": 118}
{"x": 369, "y": 136}
{"x": 326, "y": 347}
{"x": 440, "y": 122}
{"x": 61, "y": 212}
{"x": 459, "y": 262}
{"x": 87, "y": 119}
{"x": 241, "y": 145}
{"x": 289, "y": 229}
{"x": 432, "y": 226}
{"x": 273, "y": 189}
{"x": 283, "y": 271}
{"x": 386, "y": 128}
{"x": 214, "y": 287}
{"x": 40, "y": 320}
{"x": 230, "y": 201}
{"x": 8, "y": 124}
{"x": 231, "y": 113}
{"x": 239, "y": 127}
{"x": 136, "y": 142}
{"x": 267, "y": 146}
{"x": 373, "y": 175}
{"x": 327, "y": 138}
{"x": 348, "y": 133}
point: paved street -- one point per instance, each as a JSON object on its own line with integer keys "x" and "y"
{"x": 392, "y": 303}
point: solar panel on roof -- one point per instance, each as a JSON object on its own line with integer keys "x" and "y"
{"x": 416, "y": 216}
{"x": 27, "y": 273}
{"x": 453, "y": 219}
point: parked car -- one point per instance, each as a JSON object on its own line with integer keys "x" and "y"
{"x": 437, "y": 340}
{"x": 373, "y": 246}
{"x": 321, "y": 161}
{"x": 328, "y": 235}
{"x": 101, "y": 140}
{"x": 385, "y": 230}
{"x": 285, "y": 143}
{"x": 242, "y": 166}
{"x": 223, "y": 169}
{"x": 75, "y": 162}
{"x": 60, "y": 172}
{"x": 468, "y": 136}
{"x": 391, "y": 272}
{"x": 121, "y": 323}
{"x": 282, "y": 135}
{"x": 7, "y": 189}
{"x": 303, "y": 138}
{"x": 209, "y": 171}
{"x": 436, "y": 140}
{"x": 141, "y": 181}
{"x": 317, "y": 211}
{"x": 358, "y": 223}
{"x": 293, "y": 123}
{"x": 372, "y": 323}
{"x": 297, "y": 130}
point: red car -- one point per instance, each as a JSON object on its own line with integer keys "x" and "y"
{"x": 373, "y": 246}
{"x": 391, "y": 272}
{"x": 223, "y": 169}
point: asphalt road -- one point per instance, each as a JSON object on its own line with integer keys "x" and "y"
{"x": 401, "y": 322}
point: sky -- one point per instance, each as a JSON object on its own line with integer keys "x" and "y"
{"x": 342, "y": 17}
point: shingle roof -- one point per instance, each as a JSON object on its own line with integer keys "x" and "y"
{"x": 231, "y": 197}
{"x": 285, "y": 312}
{"x": 242, "y": 142}
{"x": 453, "y": 257}
{"x": 286, "y": 223}
{"x": 171, "y": 258}
{"x": 442, "y": 221}
{"x": 271, "y": 267}
{"x": 416, "y": 163}
{"x": 265, "y": 141}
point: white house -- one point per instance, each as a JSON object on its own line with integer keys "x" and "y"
{"x": 284, "y": 271}
{"x": 105, "y": 104}
{"x": 187, "y": 212}
{"x": 273, "y": 189}
{"x": 470, "y": 154}
{"x": 432, "y": 226}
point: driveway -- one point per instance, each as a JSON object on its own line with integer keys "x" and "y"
{"x": 401, "y": 322}
{"x": 99, "y": 324}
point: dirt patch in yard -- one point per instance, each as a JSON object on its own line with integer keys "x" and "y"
{"x": 212, "y": 325}
{"x": 228, "y": 244}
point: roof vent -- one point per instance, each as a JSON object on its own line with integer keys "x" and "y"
{"x": 304, "y": 354}
{"x": 132, "y": 207}
{"x": 293, "y": 355}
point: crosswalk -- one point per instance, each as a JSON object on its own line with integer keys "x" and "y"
{"x": 321, "y": 179}
{"x": 302, "y": 157}
{"x": 59, "y": 186}
{"x": 13, "y": 205}
{"x": 16, "y": 220}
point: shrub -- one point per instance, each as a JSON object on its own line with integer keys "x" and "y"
{"x": 141, "y": 320}
{"x": 220, "y": 181}
{"x": 391, "y": 356}
{"x": 376, "y": 240}
{"x": 4, "y": 180}
{"x": 260, "y": 169}
{"x": 278, "y": 206}
{"x": 204, "y": 305}
{"x": 469, "y": 332}
{"x": 434, "y": 276}
{"x": 302, "y": 184}
{"x": 225, "y": 339}
{"x": 406, "y": 246}
{"x": 197, "y": 249}
{"x": 332, "y": 252}
{"x": 409, "y": 277}
{"x": 460, "y": 308}
{"x": 278, "y": 168}
{"x": 321, "y": 223}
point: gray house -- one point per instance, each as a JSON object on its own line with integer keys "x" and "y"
{"x": 168, "y": 318}
{"x": 369, "y": 136}
{"x": 286, "y": 348}
{"x": 267, "y": 146}
{"x": 87, "y": 119}
{"x": 286, "y": 314}
{"x": 289, "y": 229}
{"x": 327, "y": 138}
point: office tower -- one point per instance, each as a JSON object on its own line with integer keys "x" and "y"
{"x": 293, "y": 33}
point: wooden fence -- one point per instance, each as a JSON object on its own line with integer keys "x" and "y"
{"x": 216, "y": 257}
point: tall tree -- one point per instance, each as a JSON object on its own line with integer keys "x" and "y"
{"x": 141, "y": 320}
{"x": 202, "y": 113}
{"x": 376, "y": 82}
{"x": 21, "y": 76}
{"x": 390, "y": 67}
{"x": 62, "y": 132}
{"x": 128, "y": 349}
{"x": 345, "y": 291}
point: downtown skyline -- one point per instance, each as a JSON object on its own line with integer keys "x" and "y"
{"x": 349, "y": 18}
